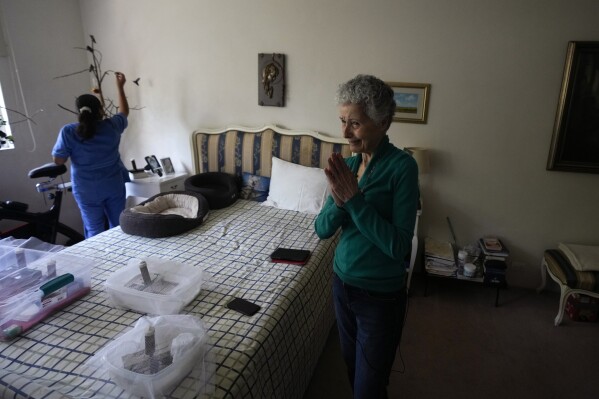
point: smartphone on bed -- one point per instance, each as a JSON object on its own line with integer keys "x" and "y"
{"x": 242, "y": 306}
{"x": 289, "y": 255}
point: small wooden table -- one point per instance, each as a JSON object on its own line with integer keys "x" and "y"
{"x": 478, "y": 278}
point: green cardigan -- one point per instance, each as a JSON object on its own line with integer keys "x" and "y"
{"x": 378, "y": 223}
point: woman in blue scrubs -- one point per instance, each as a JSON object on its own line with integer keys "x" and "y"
{"x": 97, "y": 172}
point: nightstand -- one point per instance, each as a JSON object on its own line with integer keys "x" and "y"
{"x": 152, "y": 185}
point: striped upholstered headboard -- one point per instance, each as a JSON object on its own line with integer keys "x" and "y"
{"x": 239, "y": 149}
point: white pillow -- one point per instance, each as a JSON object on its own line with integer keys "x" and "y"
{"x": 296, "y": 187}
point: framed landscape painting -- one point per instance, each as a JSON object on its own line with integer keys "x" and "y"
{"x": 411, "y": 100}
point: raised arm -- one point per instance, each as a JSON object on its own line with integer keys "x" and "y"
{"x": 120, "y": 84}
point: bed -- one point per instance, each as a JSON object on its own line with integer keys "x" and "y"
{"x": 269, "y": 355}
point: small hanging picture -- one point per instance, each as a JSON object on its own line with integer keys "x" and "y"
{"x": 271, "y": 79}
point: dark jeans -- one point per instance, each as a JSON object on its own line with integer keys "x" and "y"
{"x": 370, "y": 325}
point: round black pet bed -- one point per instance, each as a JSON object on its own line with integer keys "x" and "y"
{"x": 220, "y": 189}
{"x": 166, "y": 214}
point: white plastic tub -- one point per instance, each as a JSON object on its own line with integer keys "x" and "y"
{"x": 173, "y": 285}
{"x": 167, "y": 329}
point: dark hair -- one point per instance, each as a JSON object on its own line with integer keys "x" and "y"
{"x": 374, "y": 96}
{"x": 89, "y": 109}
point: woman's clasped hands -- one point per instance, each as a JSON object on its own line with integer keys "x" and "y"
{"x": 342, "y": 181}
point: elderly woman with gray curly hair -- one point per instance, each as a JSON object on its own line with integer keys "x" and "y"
{"x": 374, "y": 199}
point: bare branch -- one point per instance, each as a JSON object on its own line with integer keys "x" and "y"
{"x": 95, "y": 70}
{"x": 66, "y": 109}
{"x": 104, "y": 75}
{"x": 71, "y": 74}
{"x": 21, "y": 121}
{"x": 19, "y": 113}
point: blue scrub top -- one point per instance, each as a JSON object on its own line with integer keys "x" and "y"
{"x": 96, "y": 157}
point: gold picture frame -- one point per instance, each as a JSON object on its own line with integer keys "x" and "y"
{"x": 412, "y": 101}
{"x": 575, "y": 140}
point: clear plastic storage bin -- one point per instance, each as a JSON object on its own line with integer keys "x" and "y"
{"x": 13, "y": 258}
{"x": 155, "y": 286}
{"x": 34, "y": 284}
{"x": 151, "y": 359}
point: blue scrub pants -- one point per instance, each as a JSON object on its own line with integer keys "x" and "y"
{"x": 99, "y": 199}
{"x": 370, "y": 325}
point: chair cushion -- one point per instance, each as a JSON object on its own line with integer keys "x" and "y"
{"x": 560, "y": 267}
{"x": 582, "y": 257}
{"x": 165, "y": 214}
{"x": 219, "y": 188}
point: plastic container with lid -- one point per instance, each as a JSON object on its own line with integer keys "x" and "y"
{"x": 155, "y": 286}
{"x": 35, "y": 284}
{"x": 469, "y": 270}
{"x": 151, "y": 359}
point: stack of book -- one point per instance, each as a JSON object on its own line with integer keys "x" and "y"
{"x": 439, "y": 258}
{"x": 495, "y": 260}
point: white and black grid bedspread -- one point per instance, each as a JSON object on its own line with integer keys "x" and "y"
{"x": 270, "y": 354}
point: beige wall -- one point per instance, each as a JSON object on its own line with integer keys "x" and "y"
{"x": 40, "y": 36}
{"x": 495, "y": 70}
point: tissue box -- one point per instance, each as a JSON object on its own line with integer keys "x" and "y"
{"x": 35, "y": 284}
{"x": 171, "y": 286}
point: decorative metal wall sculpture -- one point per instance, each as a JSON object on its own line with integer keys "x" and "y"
{"x": 271, "y": 79}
